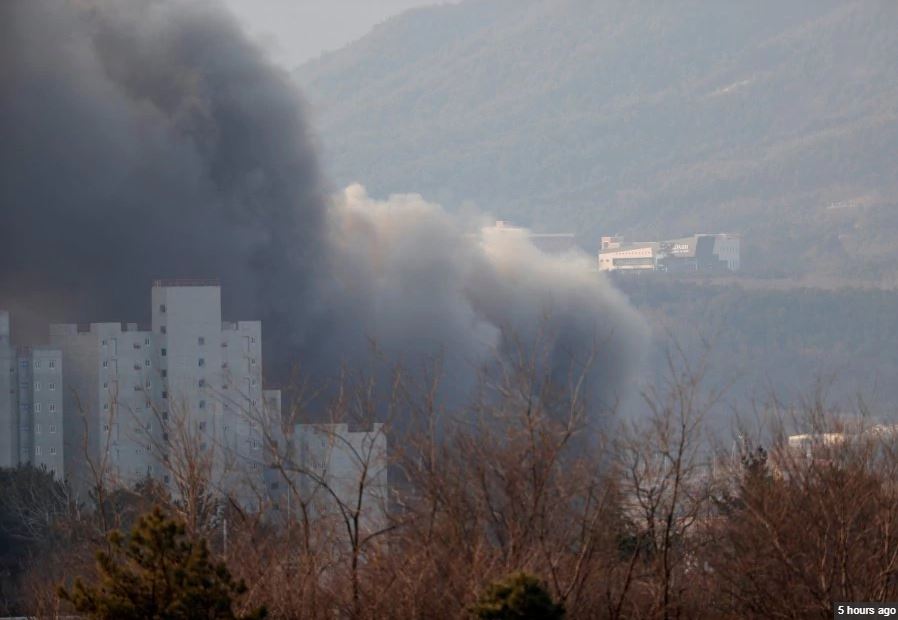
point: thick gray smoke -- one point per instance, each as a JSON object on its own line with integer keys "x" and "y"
{"x": 151, "y": 139}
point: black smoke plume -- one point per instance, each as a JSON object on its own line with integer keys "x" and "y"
{"x": 152, "y": 139}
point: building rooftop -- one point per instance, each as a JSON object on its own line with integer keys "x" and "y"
{"x": 179, "y": 282}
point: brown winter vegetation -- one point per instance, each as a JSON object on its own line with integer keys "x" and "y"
{"x": 637, "y": 518}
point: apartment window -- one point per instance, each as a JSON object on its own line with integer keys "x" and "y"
{"x": 37, "y": 429}
{"x": 149, "y": 384}
{"x": 162, "y": 308}
{"x": 53, "y": 451}
{"x": 201, "y": 383}
{"x": 163, "y": 353}
{"x": 146, "y": 363}
{"x": 37, "y": 450}
{"x": 52, "y": 363}
{"x": 37, "y": 407}
{"x": 52, "y": 407}
{"x": 146, "y": 341}
{"x": 105, "y": 428}
{"x": 164, "y": 394}
{"x": 37, "y": 386}
{"x": 201, "y": 341}
{"x": 201, "y": 362}
{"x": 164, "y": 373}
{"x": 51, "y": 387}
{"x": 253, "y": 340}
{"x": 253, "y": 383}
{"x": 105, "y": 363}
{"x": 202, "y": 404}
{"x": 162, "y": 329}
{"x": 105, "y": 406}
{"x": 37, "y": 363}
{"x": 52, "y": 428}
{"x": 252, "y": 362}
{"x": 202, "y": 426}
{"x": 104, "y": 343}
{"x": 105, "y": 385}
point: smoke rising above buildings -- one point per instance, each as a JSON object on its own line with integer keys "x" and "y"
{"x": 151, "y": 139}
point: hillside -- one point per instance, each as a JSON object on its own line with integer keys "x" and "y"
{"x": 778, "y": 120}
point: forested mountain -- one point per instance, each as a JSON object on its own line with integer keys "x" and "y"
{"x": 778, "y": 120}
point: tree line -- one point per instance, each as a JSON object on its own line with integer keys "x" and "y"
{"x": 524, "y": 503}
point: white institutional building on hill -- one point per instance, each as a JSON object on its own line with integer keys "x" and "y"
{"x": 713, "y": 252}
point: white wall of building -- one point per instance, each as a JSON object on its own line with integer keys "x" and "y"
{"x": 111, "y": 418}
{"x": 335, "y": 461}
{"x": 727, "y": 248}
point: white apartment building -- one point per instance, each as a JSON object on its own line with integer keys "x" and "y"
{"x": 334, "y": 461}
{"x": 186, "y": 386}
{"x": 31, "y": 405}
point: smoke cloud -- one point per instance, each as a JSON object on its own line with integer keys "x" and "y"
{"x": 152, "y": 139}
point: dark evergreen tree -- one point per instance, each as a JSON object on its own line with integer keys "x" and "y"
{"x": 158, "y": 572}
{"x": 517, "y": 597}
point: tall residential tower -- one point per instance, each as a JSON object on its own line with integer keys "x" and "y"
{"x": 188, "y": 387}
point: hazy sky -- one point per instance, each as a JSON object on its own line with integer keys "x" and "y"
{"x": 297, "y": 30}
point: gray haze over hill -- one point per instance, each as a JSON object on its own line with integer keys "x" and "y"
{"x": 778, "y": 120}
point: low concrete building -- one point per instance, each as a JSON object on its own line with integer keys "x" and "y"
{"x": 550, "y": 243}
{"x": 342, "y": 468}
